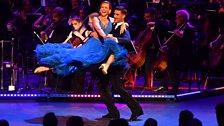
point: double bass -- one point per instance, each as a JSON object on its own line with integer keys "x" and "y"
{"x": 141, "y": 43}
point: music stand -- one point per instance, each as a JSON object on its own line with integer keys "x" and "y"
{"x": 27, "y": 85}
{"x": 11, "y": 64}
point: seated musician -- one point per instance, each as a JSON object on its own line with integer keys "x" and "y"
{"x": 79, "y": 34}
{"x": 147, "y": 44}
{"x": 45, "y": 19}
{"x": 56, "y": 32}
{"x": 179, "y": 51}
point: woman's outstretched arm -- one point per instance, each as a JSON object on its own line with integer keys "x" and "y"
{"x": 96, "y": 25}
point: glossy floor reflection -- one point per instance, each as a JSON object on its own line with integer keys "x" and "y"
{"x": 30, "y": 113}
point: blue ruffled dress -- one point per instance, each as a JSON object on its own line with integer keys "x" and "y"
{"x": 65, "y": 59}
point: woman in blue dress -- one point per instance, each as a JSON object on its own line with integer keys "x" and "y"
{"x": 63, "y": 59}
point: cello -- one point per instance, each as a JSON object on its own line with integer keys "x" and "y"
{"x": 75, "y": 40}
{"x": 216, "y": 51}
{"x": 141, "y": 43}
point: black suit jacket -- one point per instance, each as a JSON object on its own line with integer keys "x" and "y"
{"x": 124, "y": 39}
{"x": 60, "y": 33}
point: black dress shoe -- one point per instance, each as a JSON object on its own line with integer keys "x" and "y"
{"x": 135, "y": 115}
{"x": 111, "y": 115}
{"x": 160, "y": 88}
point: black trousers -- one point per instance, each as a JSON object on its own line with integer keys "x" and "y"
{"x": 114, "y": 75}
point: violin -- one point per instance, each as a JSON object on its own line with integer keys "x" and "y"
{"x": 44, "y": 35}
{"x": 75, "y": 41}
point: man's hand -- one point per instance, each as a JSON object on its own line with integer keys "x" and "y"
{"x": 179, "y": 33}
{"x": 43, "y": 35}
{"x": 123, "y": 27}
{"x": 211, "y": 44}
{"x": 151, "y": 23}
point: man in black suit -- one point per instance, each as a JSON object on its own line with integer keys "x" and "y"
{"x": 59, "y": 29}
{"x": 180, "y": 51}
{"x": 115, "y": 74}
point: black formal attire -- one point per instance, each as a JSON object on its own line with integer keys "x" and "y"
{"x": 60, "y": 32}
{"x": 180, "y": 55}
{"x": 59, "y": 35}
{"x": 152, "y": 48}
{"x": 115, "y": 73}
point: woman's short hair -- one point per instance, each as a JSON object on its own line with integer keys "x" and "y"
{"x": 107, "y": 2}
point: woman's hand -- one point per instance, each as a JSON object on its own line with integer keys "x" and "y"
{"x": 94, "y": 34}
{"x": 111, "y": 36}
{"x": 77, "y": 34}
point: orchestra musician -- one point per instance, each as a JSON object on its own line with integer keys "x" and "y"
{"x": 45, "y": 19}
{"x": 79, "y": 35}
{"x": 148, "y": 43}
{"x": 179, "y": 50}
{"x": 148, "y": 26}
{"x": 58, "y": 30}
{"x": 151, "y": 49}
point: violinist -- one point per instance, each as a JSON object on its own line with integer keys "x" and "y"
{"x": 79, "y": 34}
{"x": 56, "y": 32}
{"x": 59, "y": 29}
{"x": 179, "y": 50}
{"x": 45, "y": 19}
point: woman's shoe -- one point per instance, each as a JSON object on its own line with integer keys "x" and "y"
{"x": 41, "y": 69}
{"x": 104, "y": 68}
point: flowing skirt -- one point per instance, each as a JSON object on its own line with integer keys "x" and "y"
{"x": 65, "y": 59}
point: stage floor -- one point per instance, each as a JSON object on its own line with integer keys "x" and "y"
{"x": 30, "y": 113}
